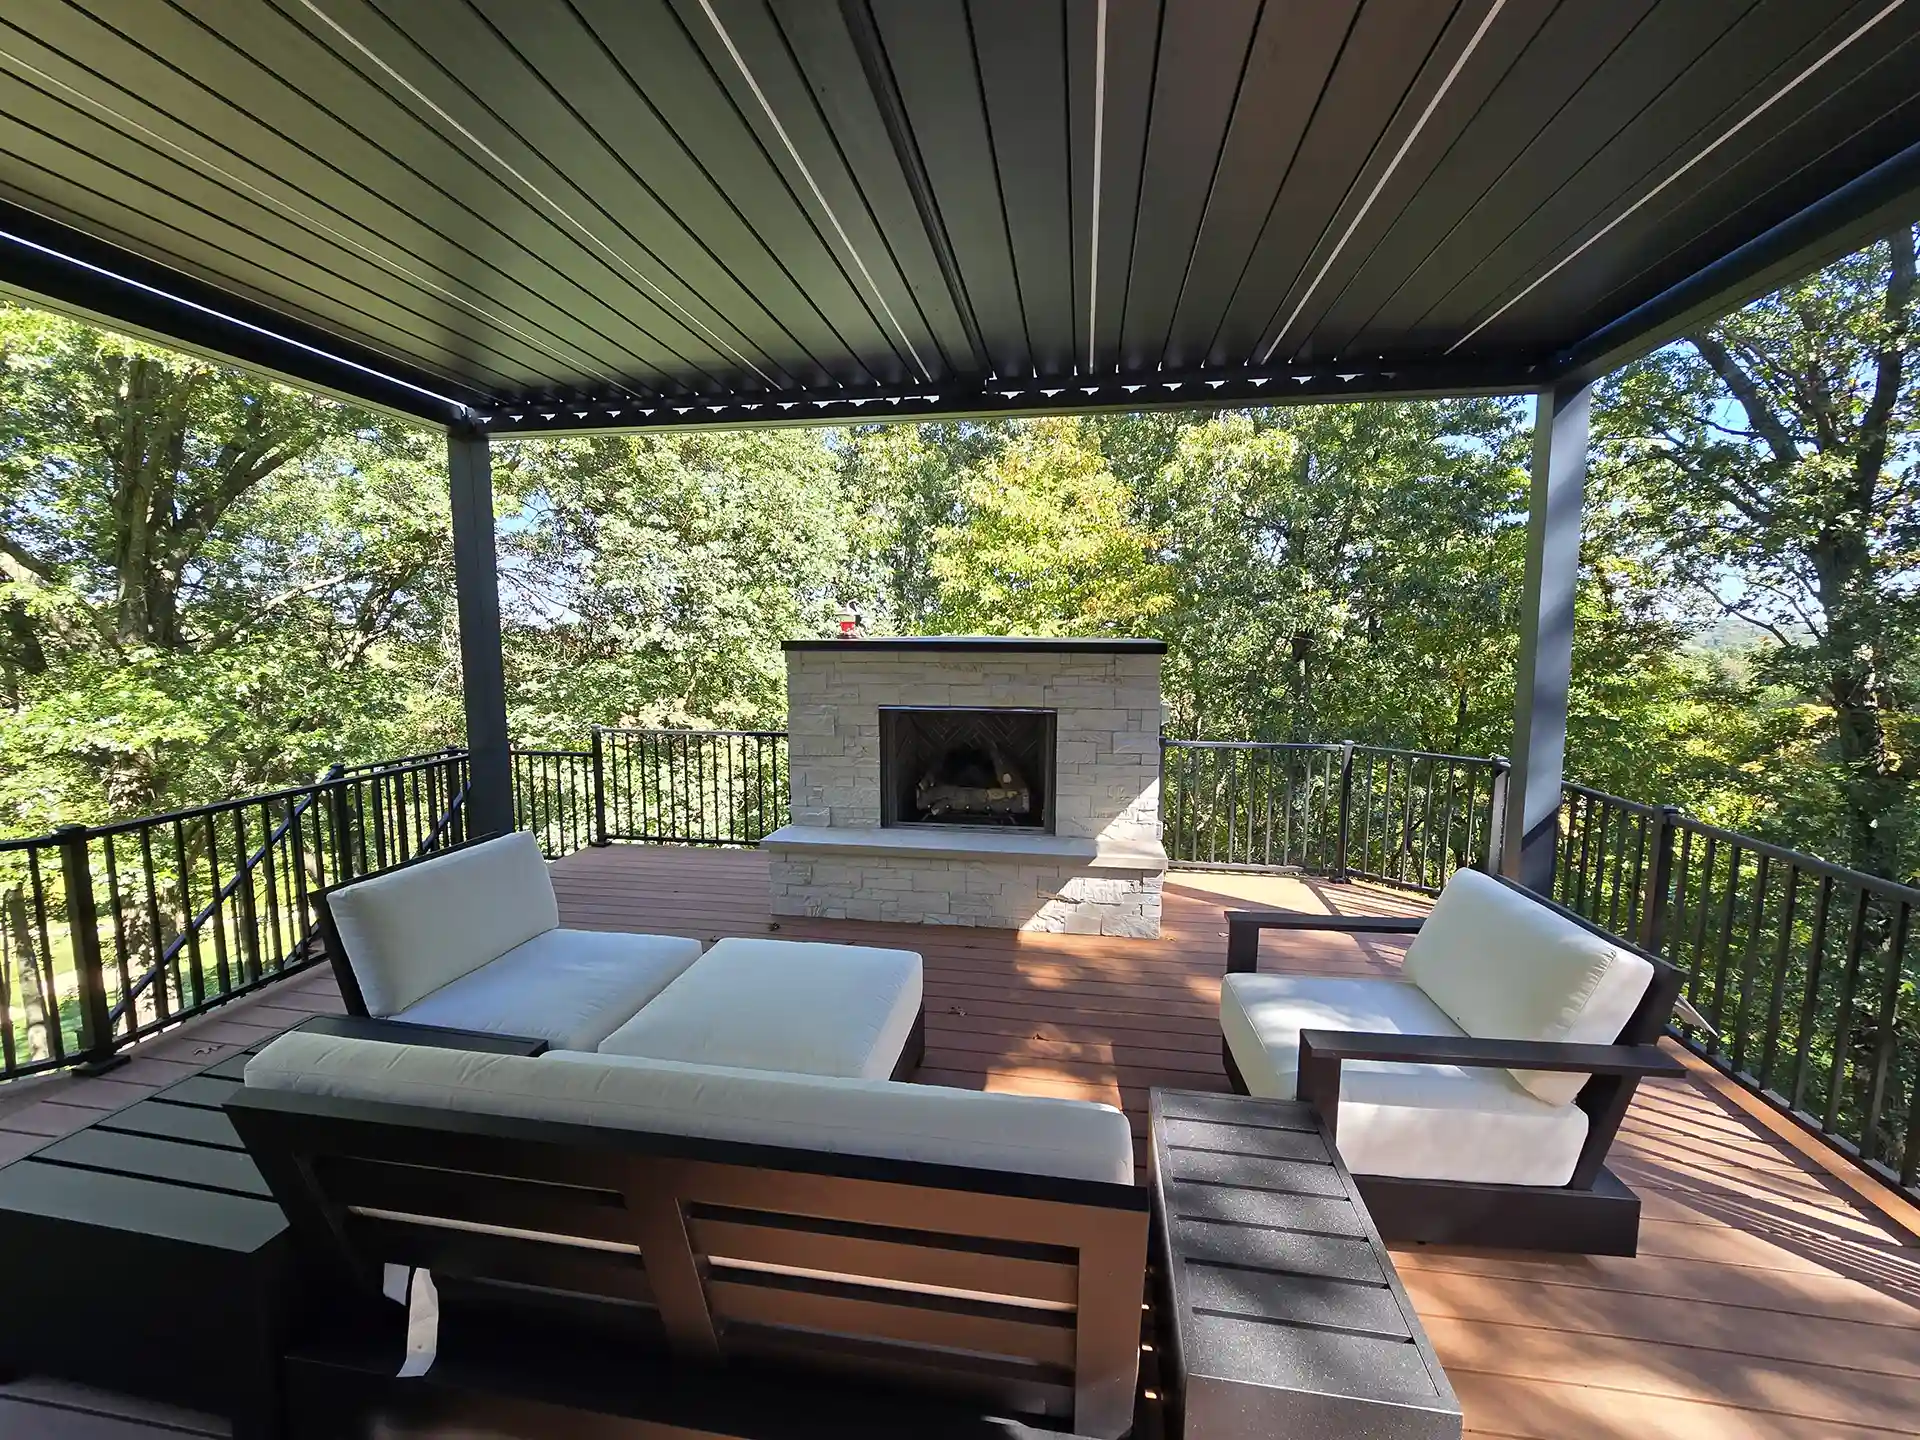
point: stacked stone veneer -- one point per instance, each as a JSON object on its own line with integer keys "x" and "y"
{"x": 1106, "y": 791}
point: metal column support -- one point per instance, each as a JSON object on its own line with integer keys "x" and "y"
{"x": 489, "y": 806}
{"x": 1530, "y": 833}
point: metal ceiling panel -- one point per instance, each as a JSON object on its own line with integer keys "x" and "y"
{"x": 588, "y": 213}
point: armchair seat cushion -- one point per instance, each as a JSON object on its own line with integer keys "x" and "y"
{"x": 1419, "y": 1122}
{"x": 571, "y": 988}
{"x": 802, "y": 1007}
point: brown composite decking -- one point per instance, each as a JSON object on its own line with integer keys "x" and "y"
{"x": 1776, "y": 1296}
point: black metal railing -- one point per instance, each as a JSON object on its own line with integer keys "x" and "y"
{"x": 1405, "y": 817}
{"x": 554, "y": 796}
{"x": 1802, "y": 973}
{"x": 688, "y": 787}
{"x": 111, "y": 932}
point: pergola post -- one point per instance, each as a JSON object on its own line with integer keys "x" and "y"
{"x": 1530, "y": 833}
{"x": 489, "y": 806}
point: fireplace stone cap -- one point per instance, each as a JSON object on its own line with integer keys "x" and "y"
{"x": 999, "y": 644}
{"x": 953, "y": 843}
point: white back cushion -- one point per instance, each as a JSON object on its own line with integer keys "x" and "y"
{"x": 1025, "y": 1134}
{"x": 1506, "y": 968}
{"x": 412, "y": 930}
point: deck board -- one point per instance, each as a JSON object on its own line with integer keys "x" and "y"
{"x": 1776, "y": 1297}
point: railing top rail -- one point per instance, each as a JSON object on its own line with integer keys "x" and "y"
{"x": 519, "y": 751}
{"x": 1319, "y": 745}
{"x": 711, "y": 734}
{"x": 1633, "y": 807}
{"x": 1427, "y": 755}
{"x": 1800, "y": 860}
{"x": 426, "y": 755}
{"x": 342, "y": 781}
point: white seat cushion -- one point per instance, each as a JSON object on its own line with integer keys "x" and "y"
{"x": 1506, "y": 968}
{"x": 1423, "y": 1122}
{"x": 412, "y": 930}
{"x": 1025, "y": 1134}
{"x": 571, "y": 988}
{"x": 798, "y": 1006}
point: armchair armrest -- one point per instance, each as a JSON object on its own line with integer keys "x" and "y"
{"x": 1244, "y": 927}
{"x": 1323, "y": 1051}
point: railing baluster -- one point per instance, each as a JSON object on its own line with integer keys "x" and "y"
{"x": 1735, "y": 856}
{"x": 1885, "y": 1032}
{"x": 1843, "y": 1011}
{"x": 1777, "y": 989}
{"x": 1810, "y": 1004}
{"x": 53, "y": 1025}
{"x": 162, "y": 1002}
{"x": 1748, "y": 958}
{"x": 109, "y": 851}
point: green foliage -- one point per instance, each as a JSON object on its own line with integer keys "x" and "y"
{"x": 1769, "y": 466}
{"x": 650, "y": 581}
{"x": 210, "y": 585}
{"x": 1043, "y": 544}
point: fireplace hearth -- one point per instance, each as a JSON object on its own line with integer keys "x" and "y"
{"x": 949, "y": 766}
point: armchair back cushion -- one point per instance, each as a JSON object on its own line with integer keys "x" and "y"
{"x": 1505, "y": 968}
{"x": 412, "y": 930}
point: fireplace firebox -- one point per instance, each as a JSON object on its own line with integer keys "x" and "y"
{"x": 978, "y": 768}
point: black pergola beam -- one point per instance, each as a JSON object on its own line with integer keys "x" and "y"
{"x": 1839, "y": 223}
{"x": 1007, "y": 399}
{"x": 53, "y": 266}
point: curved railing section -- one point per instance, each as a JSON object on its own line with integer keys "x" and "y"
{"x": 1803, "y": 975}
{"x": 109, "y": 933}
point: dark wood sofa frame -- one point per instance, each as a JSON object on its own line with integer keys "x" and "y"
{"x": 912, "y": 1052}
{"x": 713, "y": 1270}
{"x": 1594, "y": 1213}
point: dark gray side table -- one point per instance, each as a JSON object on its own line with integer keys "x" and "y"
{"x": 1280, "y": 1312}
{"x": 145, "y": 1253}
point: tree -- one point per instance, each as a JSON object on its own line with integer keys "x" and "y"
{"x": 208, "y": 583}
{"x": 649, "y": 580}
{"x": 1768, "y": 462}
{"x": 1045, "y": 544}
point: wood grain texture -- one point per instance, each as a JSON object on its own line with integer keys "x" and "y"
{"x": 1772, "y": 1299}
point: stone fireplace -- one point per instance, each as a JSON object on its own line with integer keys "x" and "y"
{"x": 965, "y": 780}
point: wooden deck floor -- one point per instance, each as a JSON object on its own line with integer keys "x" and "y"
{"x": 1776, "y": 1297}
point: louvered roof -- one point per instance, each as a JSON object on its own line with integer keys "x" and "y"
{"x": 556, "y": 214}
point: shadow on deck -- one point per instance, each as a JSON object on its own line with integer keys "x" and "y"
{"x": 1776, "y": 1296}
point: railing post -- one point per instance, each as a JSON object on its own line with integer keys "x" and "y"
{"x": 83, "y": 933}
{"x": 1346, "y": 811}
{"x": 1653, "y": 909}
{"x": 1497, "y": 820}
{"x": 599, "y": 788}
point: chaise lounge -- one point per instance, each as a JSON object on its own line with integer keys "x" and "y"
{"x": 1475, "y": 1099}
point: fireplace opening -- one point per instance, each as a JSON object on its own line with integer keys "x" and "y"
{"x": 988, "y": 769}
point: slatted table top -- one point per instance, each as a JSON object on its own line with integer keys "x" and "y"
{"x": 1281, "y": 1308}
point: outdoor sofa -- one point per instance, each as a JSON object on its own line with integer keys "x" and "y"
{"x": 714, "y": 1234}
{"x": 702, "y": 1169}
{"x": 1475, "y": 1098}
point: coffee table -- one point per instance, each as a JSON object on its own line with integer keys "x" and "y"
{"x": 1280, "y": 1312}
